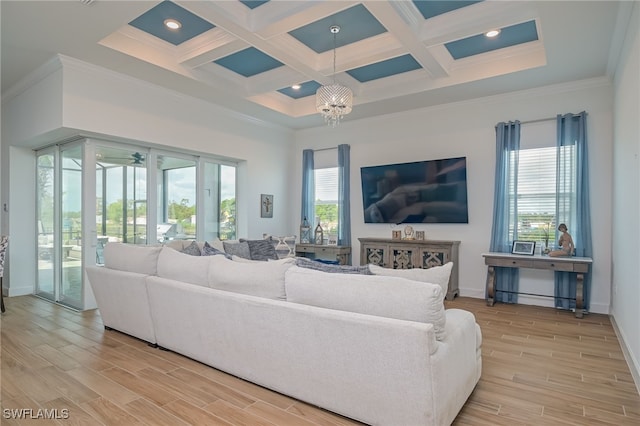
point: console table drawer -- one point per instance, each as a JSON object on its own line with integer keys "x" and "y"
{"x": 555, "y": 266}
{"x": 512, "y": 263}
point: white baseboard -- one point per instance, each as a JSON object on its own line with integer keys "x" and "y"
{"x": 596, "y": 308}
{"x": 17, "y": 290}
{"x": 634, "y": 365}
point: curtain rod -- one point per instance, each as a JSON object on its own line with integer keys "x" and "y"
{"x": 325, "y": 149}
{"x": 539, "y": 120}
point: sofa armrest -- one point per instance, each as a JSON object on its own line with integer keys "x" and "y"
{"x": 123, "y": 301}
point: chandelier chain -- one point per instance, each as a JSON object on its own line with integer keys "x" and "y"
{"x": 334, "y": 101}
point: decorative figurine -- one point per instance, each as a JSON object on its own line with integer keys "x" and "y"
{"x": 408, "y": 232}
{"x": 565, "y": 242}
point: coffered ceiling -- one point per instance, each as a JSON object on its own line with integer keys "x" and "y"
{"x": 248, "y": 55}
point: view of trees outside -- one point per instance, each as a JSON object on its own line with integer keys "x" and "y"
{"x": 228, "y": 219}
{"x": 539, "y": 227}
{"x": 326, "y": 204}
{"x": 327, "y": 215}
{"x": 537, "y": 195}
{"x": 180, "y": 209}
{"x": 45, "y": 194}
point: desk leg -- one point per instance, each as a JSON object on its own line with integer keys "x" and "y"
{"x": 491, "y": 289}
{"x": 579, "y": 295}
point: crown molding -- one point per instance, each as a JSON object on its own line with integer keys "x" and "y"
{"x": 517, "y": 95}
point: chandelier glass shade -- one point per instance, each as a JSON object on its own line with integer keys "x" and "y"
{"x": 334, "y": 101}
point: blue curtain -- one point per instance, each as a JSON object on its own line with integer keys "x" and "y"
{"x": 308, "y": 187}
{"x": 572, "y": 201}
{"x": 344, "y": 195}
{"x": 505, "y": 207}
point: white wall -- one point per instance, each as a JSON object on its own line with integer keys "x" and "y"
{"x": 467, "y": 129}
{"x": 88, "y": 100}
{"x": 626, "y": 196}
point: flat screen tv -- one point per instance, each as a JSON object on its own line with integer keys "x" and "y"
{"x": 433, "y": 191}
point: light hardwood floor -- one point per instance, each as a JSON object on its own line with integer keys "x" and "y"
{"x": 540, "y": 366}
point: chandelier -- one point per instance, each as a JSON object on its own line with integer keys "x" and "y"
{"x": 334, "y": 101}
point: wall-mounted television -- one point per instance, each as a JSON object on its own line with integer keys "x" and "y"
{"x": 433, "y": 191}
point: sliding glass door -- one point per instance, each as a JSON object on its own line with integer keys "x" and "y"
{"x": 59, "y": 223}
{"x": 190, "y": 198}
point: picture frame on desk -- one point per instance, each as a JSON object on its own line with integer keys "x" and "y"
{"x": 332, "y": 240}
{"x": 420, "y": 235}
{"x": 523, "y": 247}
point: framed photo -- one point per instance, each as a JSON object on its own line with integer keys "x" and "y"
{"x": 419, "y": 235}
{"x": 332, "y": 240}
{"x": 266, "y": 205}
{"x": 523, "y": 247}
{"x": 396, "y": 235}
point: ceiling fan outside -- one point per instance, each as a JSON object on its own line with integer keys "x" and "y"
{"x": 135, "y": 159}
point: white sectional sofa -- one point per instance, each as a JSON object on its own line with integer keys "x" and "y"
{"x": 378, "y": 349}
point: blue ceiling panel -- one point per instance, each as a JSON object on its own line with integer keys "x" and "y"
{"x": 509, "y": 36}
{"x": 249, "y": 62}
{"x": 385, "y": 68}
{"x": 430, "y": 8}
{"x": 306, "y": 89}
{"x": 356, "y": 23}
{"x": 152, "y": 22}
{"x": 253, "y": 4}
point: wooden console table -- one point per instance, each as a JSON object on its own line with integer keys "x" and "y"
{"x": 578, "y": 265}
{"x": 409, "y": 254}
{"x": 340, "y": 253}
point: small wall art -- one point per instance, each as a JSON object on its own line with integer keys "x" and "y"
{"x": 266, "y": 205}
{"x": 419, "y": 235}
{"x": 396, "y": 235}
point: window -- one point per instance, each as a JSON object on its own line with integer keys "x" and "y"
{"x": 536, "y": 184}
{"x": 326, "y": 199}
{"x": 326, "y": 191}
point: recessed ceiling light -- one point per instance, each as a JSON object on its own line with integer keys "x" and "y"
{"x": 296, "y": 87}
{"x": 172, "y": 24}
{"x": 492, "y": 33}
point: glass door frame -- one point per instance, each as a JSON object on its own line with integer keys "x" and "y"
{"x": 55, "y": 251}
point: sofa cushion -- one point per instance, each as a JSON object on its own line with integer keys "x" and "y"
{"x": 131, "y": 258}
{"x": 435, "y": 275}
{"x": 303, "y": 262}
{"x": 237, "y": 248}
{"x": 192, "y": 249}
{"x": 390, "y": 297}
{"x": 261, "y": 249}
{"x": 263, "y": 279}
{"x": 175, "y": 265}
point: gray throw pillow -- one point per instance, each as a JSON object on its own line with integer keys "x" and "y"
{"x": 208, "y": 250}
{"x": 303, "y": 262}
{"x": 240, "y": 249}
{"x": 261, "y": 250}
{"x": 192, "y": 249}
